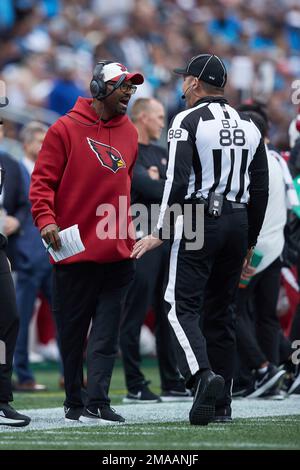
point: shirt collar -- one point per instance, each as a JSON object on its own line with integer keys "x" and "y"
{"x": 211, "y": 99}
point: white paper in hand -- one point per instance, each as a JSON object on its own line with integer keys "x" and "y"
{"x": 71, "y": 244}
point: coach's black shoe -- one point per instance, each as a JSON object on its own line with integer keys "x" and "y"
{"x": 10, "y": 417}
{"x": 72, "y": 414}
{"x": 223, "y": 415}
{"x": 142, "y": 394}
{"x": 295, "y": 383}
{"x": 176, "y": 395}
{"x": 177, "y": 392}
{"x": 101, "y": 414}
{"x": 274, "y": 393}
{"x": 262, "y": 382}
{"x": 209, "y": 388}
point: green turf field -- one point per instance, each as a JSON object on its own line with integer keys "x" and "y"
{"x": 260, "y": 424}
{"x": 261, "y": 433}
{"x": 47, "y": 374}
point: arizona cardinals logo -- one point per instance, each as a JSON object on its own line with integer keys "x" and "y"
{"x": 108, "y": 156}
{"x": 122, "y": 67}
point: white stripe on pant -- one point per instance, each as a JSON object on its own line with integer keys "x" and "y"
{"x": 170, "y": 298}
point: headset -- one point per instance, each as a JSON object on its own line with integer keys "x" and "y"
{"x": 98, "y": 86}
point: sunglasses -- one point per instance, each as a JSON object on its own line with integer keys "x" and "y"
{"x": 126, "y": 87}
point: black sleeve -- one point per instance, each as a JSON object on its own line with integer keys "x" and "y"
{"x": 259, "y": 190}
{"x": 148, "y": 188}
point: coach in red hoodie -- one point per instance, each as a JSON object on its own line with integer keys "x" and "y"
{"x": 85, "y": 164}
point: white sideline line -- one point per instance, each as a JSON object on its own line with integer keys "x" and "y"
{"x": 53, "y": 418}
{"x": 57, "y": 445}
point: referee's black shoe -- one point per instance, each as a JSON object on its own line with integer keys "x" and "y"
{"x": 208, "y": 389}
{"x": 10, "y": 417}
{"x": 223, "y": 415}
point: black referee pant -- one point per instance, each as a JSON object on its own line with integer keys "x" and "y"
{"x": 147, "y": 289}
{"x": 9, "y": 325}
{"x": 85, "y": 292}
{"x": 202, "y": 286}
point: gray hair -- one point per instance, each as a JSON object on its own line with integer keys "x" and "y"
{"x": 140, "y": 105}
{"x": 28, "y": 131}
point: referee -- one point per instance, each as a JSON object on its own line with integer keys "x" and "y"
{"x": 216, "y": 158}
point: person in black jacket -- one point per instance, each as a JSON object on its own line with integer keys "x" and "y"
{"x": 147, "y": 288}
{"x": 15, "y": 203}
{"x": 9, "y": 323}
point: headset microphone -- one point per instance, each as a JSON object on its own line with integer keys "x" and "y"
{"x": 117, "y": 84}
{"x": 185, "y": 93}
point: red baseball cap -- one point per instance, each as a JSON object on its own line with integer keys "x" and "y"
{"x": 113, "y": 71}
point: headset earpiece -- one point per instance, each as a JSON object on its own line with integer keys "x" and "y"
{"x": 97, "y": 85}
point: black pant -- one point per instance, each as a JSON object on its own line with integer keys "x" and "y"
{"x": 202, "y": 286}
{"x": 285, "y": 348}
{"x": 9, "y": 324}
{"x": 295, "y": 328}
{"x": 258, "y": 328}
{"x": 84, "y": 292}
{"x": 147, "y": 289}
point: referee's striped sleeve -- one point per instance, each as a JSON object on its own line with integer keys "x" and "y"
{"x": 181, "y": 149}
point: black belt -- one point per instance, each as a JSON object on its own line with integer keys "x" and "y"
{"x": 232, "y": 204}
{"x": 236, "y": 205}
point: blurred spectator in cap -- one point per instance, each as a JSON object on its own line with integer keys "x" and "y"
{"x": 65, "y": 90}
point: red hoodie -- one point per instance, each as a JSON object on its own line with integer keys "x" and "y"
{"x": 85, "y": 162}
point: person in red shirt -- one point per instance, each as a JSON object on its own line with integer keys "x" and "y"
{"x": 83, "y": 176}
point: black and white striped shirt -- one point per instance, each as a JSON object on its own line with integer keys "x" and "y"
{"x": 213, "y": 147}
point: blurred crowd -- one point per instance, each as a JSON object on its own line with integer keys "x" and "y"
{"x": 48, "y": 48}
